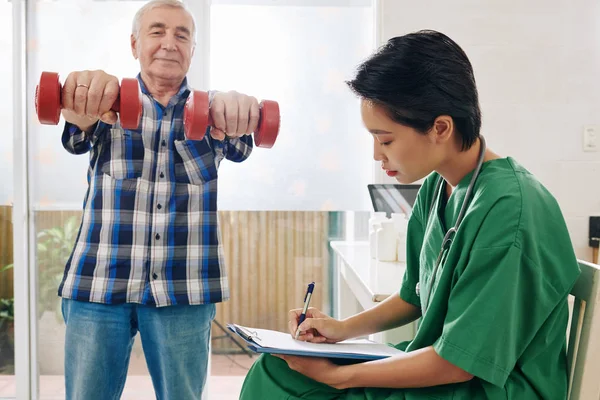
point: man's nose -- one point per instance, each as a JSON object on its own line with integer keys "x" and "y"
{"x": 168, "y": 43}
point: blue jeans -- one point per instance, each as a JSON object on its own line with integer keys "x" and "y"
{"x": 99, "y": 339}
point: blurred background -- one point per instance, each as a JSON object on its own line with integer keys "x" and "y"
{"x": 536, "y": 64}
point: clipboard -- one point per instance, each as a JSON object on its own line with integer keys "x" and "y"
{"x": 246, "y": 334}
{"x": 348, "y": 351}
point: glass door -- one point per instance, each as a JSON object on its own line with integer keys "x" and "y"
{"x": 7, "y": 332}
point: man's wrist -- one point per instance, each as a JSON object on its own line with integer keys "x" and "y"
{"x": 89, "y": 129}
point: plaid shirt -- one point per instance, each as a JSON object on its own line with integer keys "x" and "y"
{"x": 149, "y": 232}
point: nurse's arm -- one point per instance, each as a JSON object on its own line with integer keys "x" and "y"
{"x": 390, "y": 313}
{"x": 419, "y": 368}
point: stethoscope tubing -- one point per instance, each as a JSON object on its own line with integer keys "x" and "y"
{"x": 449, "y": 236}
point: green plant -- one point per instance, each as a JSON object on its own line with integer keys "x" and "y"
{"x": 7, "y": 310}
{"x": 53, "y": 249}
{"x": 54, "y": 246}
{"x": 7, "y": 332}
{"x": 7, "y": 306}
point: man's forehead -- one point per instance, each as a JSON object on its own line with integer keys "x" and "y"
{"x": 162, "y": 16}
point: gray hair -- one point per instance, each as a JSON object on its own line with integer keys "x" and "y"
{"x": 137, "y": 20}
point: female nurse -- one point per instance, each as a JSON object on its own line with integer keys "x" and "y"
{"x": 489, "y": 258}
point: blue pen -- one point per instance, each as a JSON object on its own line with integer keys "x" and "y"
{"x": 307, "y": 297}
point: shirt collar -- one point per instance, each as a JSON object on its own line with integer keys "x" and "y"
{"x": 183, "y": 93}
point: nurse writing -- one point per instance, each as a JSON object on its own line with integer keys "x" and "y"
{"x": 489, "y": 258}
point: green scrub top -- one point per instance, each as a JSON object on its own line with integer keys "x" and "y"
{"x": 498, "y": 308}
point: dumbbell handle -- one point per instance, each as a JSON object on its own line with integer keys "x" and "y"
{"x": 197, "y": 119}
{"x": 48, "y": 101}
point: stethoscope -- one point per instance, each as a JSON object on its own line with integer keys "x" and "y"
{"x": 449, "y": 236}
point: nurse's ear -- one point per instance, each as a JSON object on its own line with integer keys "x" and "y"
{"x": 443, "y": 129}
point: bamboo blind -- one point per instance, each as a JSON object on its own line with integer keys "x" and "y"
{"x": 6, "y": 251}
{"x": 270, "y": 258}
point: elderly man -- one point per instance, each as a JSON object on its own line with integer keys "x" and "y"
{"x": 147, "y": 257}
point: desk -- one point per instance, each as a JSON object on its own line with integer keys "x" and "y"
{"x": 363, "y": 282}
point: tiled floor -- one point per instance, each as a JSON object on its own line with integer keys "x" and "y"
{"x": 225, "y": 382}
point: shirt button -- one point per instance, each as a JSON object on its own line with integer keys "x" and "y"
{"x": 157, "y": 236}
{"x": 163, "y": 143}
{"x": 154, "y": 276}
{"x": 159, "y": 206}
{"x": 162, "y": 175}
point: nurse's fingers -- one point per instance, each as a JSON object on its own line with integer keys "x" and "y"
{"x": 292, "y": 326}
{"x": 312, "y": 324}
{"x": 313, "y": 312}
{"x": 293, "y": 316}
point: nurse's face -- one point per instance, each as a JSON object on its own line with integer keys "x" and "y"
{"x": 404, "y": 153}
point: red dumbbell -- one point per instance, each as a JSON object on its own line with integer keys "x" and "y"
{"x": 196, "y": 118}
{"x": 48, "y": 102}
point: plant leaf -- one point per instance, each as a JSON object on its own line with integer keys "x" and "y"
{"x": 7, "y": 267}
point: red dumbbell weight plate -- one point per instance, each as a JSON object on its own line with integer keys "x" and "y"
{"x": 268, "y": 127}
{"x": 129, "y": 104}
{"x": 48, "y": 99}
{"x": 196, "y": 115}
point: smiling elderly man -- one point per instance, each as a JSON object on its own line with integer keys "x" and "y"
{"x": 147, "y": 257}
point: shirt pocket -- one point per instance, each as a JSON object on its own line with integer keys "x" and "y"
{"x": 197, "y": 164}
{"x": 122, "y": 156}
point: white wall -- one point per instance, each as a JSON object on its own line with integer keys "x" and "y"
{"x": 537, "y": 67}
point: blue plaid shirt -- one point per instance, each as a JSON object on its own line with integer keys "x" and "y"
{"x": 149, "y": 232}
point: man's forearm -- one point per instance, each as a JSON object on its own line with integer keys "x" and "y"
{"x": 391, "y": 313}
{"x": 419, "y": 368}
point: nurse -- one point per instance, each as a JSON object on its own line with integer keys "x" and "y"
{"x": 489, "y": 258}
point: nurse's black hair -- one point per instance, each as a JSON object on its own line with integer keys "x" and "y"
{"x": 418, "y": 77}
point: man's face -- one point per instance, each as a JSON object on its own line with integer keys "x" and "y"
{"x": 165, "y": 44}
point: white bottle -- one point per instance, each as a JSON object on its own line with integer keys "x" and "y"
{"x": 386, "y": 242}
{"x": 373, "y": 240}
{"x": 376, "y": 218}
{"x": 399, "y": 221}
{"x": 401, "y": 240}
{"x": 374, "y": 224}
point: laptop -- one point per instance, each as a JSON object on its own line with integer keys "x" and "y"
{"x": 393, "y": 198}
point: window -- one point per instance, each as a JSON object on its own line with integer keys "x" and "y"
{"x": 7, "y": 342}
{"x": 299, "y": 54}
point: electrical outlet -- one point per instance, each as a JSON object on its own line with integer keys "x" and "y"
{"x": 594, "y": 232}
{"x": 591, "y": 137}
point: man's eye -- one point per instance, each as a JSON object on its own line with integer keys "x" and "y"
{"x": 385, "y": 143}
{"x": 182, "y": 37}
{"x": 155, "y": 33}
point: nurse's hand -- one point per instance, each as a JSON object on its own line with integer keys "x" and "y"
{"x": 318, "y": 327}
{"x": 320, "y": 369}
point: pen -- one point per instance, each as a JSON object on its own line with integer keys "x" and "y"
{"x": 307, "y": 297}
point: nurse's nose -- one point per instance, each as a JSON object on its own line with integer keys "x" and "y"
{"x": 377, "y": 153}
